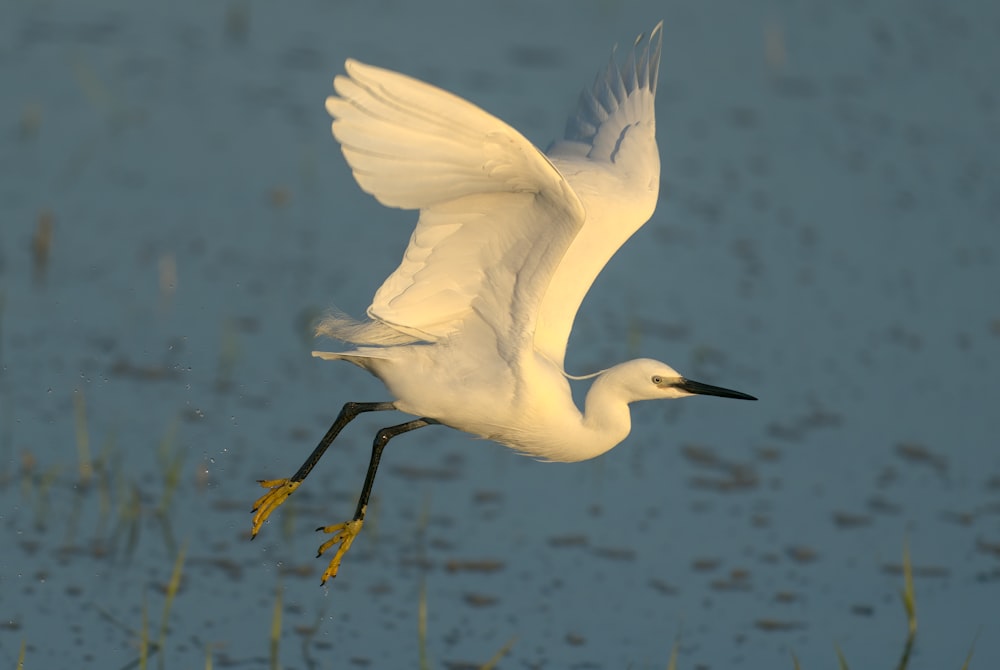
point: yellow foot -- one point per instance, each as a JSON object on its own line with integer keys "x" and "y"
{"x": 267, "y": 503}
{"x": 345, "y": 534}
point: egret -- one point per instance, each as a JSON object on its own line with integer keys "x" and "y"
{"x": 470, "y": 330}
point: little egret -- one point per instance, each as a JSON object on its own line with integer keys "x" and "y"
{"x": 470, "y": 330}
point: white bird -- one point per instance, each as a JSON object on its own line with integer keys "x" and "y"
{"x": 470, "y": 331}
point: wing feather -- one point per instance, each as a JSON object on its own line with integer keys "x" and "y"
{"x": 507, "y": 238}
{"x": 495, "y": 215}
{"x": 611, "y": 160}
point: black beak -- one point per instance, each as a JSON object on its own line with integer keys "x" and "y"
{"x": 707, "y": 389}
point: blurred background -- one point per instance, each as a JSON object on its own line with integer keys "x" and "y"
{"x": 174, "y": 214}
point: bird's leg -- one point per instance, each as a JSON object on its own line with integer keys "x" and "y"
{"x": 344, "y": 533}
{"x": 280, "y": 489}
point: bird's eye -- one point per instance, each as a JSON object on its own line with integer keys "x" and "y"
{"x": 657, "y": 379}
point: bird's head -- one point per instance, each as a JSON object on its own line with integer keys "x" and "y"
{"x": 648, "y": 379}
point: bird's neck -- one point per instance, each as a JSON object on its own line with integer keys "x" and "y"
{"x": 555, "y": 429}
{"x": 606, "y": 417}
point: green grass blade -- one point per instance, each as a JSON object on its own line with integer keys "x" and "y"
{"x": 276, "y": 628}
{"x": 972, "y": 648}
{"x": 909, "y": 597}
{"x": 909, "y": 594}
{"x": 497, "y": 657}
{"x": 422, "y": 661}
{"x": 672, "y": 663}
{"x": 172, "y": 587}
{"x": 841, "y": 659}
{"x": 171, "y": 462}
{"x": 144, "y": 636}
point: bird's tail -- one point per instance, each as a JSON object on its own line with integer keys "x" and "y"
{"x": 359, "y": 356}
{"x": 340, "y": 326}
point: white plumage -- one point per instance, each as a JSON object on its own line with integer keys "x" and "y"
{"x": 471, "y": 329}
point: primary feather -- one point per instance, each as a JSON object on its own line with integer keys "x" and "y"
{"x": 506, "y": 235}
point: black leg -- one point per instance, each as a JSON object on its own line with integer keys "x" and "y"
{"x": 381, "y": 439}
{"x": 280, "y": 489}
{"x": 344, "y": 533}
{"x": 347, "y": 414}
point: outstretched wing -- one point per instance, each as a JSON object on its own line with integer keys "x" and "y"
{"x": 610, "y": 158}
{"x": 495, "y": 216}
